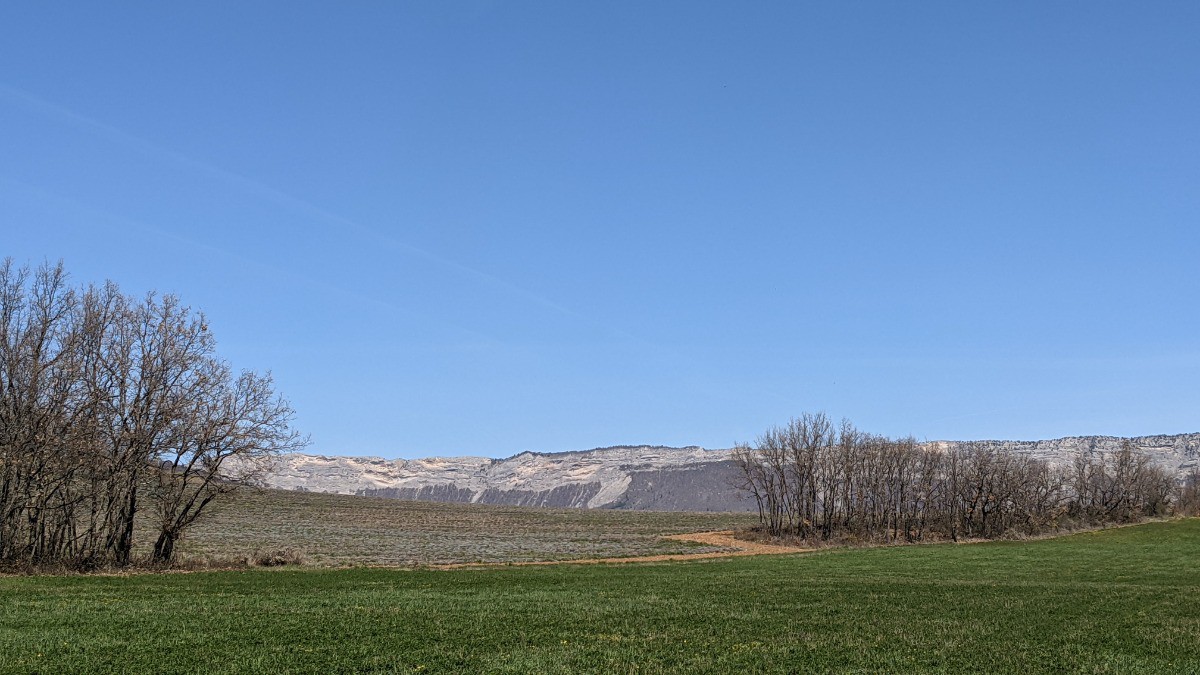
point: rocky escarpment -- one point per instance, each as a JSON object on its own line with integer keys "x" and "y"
{"x": 702, "y": 487}
{"x": 574, "y": 496}
{"x": 626, "y": 477}
{"x": 637, "y": 477}
{"x": 1179, "y": 453}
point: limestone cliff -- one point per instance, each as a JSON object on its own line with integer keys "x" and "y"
{"x": 626, "y": 477}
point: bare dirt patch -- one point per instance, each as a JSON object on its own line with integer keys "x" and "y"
{"x": 730, "y": 547}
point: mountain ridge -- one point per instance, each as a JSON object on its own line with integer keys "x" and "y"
{"x": 640, "y": 477}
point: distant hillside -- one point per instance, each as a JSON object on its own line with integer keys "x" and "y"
{"x": 630, "y": 477}
{"x": 622, "y": 477}
{"x": 1178, "y": 452}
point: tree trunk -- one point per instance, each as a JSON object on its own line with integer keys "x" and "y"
{"x": 164, "y": 548}
{"x": 124, "y": 547}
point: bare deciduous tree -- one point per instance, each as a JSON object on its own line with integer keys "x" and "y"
{"x": 814, "y": 480}
{"x": 107, "y": 402}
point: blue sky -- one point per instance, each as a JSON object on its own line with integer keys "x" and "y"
{"x": 482, "y": 228}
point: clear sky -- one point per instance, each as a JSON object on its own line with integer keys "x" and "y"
{"x": 488, "y": 227}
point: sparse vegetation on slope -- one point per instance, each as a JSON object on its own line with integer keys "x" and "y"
{"x": 353, "y": 530}
{"x": 1120, "y": 600}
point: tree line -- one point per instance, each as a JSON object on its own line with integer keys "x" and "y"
{"x": 115, "y": 409}
{"x": 818, "y": 480}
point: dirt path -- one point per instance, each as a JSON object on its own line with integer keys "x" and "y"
{"x": 723, "y": 539}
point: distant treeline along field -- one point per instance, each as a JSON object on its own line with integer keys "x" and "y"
{"x": 813, "y": 479}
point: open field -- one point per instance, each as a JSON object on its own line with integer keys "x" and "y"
{"x": 713, "y": 544}
{"x": 347, "y": 530}
{"x": 1116, "y": 601}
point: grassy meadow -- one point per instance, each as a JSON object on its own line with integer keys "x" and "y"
{"x": 1124, "y": 600}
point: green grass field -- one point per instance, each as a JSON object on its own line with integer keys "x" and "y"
{"x": 1117, "y": 601}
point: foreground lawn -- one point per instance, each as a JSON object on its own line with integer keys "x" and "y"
{"x": 1118, "y": 601}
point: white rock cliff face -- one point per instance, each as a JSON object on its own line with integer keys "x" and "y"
{"x": 1179, "y": 453}
{"x": 608, "y": 469}
{"x": 633, "y": 477}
